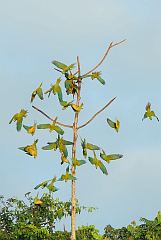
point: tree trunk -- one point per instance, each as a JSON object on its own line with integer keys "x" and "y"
{"x": 75, "y": 126}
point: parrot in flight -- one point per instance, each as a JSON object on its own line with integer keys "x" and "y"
{"x": 30, "y": 129}
{"x": 63, "y": 66}
{"x": 30, "y": 149}
{"x": 97, "y": 75}
{"x": 67, "y": 176}
{"x": 56, "y": 89}
{"x": 77, "y": 163}
{"x": 49, "y": 184}
{"x": 111, "y": 157}
{"x": 38, "y": 91}
{"x": 88, "y": 146}
{"x": 95, "y": 161}
{"x": 18, "y": 117}
{"x": 149, "y": 113}
{"x": 51, "y": 127}
{"x": 115, "y": 125}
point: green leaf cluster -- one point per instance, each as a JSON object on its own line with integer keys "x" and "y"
{"x": 23, "y": 219}
{"x": 147, "y": 230}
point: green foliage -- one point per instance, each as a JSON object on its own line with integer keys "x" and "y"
{"x": 148, "y": 230}
{"x": 28, "y": 220}
{"x": 83, "y": 233}
{"x": 60, "y": 235}
{"x": 15, "y": 213}
{"x": 88, "y": 232}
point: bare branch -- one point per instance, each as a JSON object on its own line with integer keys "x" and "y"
{"x": 78, "y": 64}
{"x": 51, "y": 119}
{"x": 105, "y": 55}
{"x": 97, "y": 113}
{"x": 117, "y": 43}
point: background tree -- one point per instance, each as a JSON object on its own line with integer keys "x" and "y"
{"x": 72, "y": 83}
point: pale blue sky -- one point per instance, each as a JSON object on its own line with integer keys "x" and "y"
{"x": 33, "y": 33}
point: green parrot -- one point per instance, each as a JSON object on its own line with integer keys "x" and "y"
{"x": 50, "y": 186}
{"x": 65, "y": 104}
{"x": 30, "y": 129}
{"x": 51, "y": 127}
{"x": 56, "y": 89}
{"x": 71, "y": 87}
{"x": 95, "y": 161}
{"x": 149, "y": 113}
{"x": 77, "y": 108}
{"x": 63, "y": 66}
{"x": 77, "y": 163}
{"x": 97, "y": 75}
{"x": 51, "y": 145}
{"x": 42, "y": 185}
{"x": 83, "y": 144}
{"x": 38, "y": 91}
{"x": 19, "y": 118}
{"x": 62, "y": 147}
{"x": 64, "y": 159}
{"x": 111, "y": 157}
{"x": 30, "y": 149}
{"x": 59, "y": 143}
{"x": 37, "y": 201}
{"x": 88, "y": 146}
{"x": 67, "y": 176}
{"x": 115, "y": 125}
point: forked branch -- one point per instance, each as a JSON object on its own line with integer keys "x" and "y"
{"x": 105, "y": 55}
{"x": 51, "y": 119}
{"x": 97, "y": 113}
